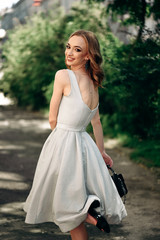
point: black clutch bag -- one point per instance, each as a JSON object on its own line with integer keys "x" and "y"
{"x": 119, "y": 182}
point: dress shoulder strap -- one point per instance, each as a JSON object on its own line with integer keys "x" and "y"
{"x": 73, "y": 81}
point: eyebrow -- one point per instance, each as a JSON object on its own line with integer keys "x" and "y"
{"x": 75, "y": 46}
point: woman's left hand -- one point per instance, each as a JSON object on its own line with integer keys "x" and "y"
{"x": 108, "y": 160}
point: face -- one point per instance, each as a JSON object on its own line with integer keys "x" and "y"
{"x": 76, "y": 53}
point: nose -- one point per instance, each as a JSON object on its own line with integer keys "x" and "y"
{"x": 70, "y": 52}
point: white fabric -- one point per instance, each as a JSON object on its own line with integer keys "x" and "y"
{"x": 71, "y": 172}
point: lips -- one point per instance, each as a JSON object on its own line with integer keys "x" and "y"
{"x": 70, "y": 59}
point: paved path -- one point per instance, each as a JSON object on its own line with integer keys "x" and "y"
{"x": 22, "y": 135}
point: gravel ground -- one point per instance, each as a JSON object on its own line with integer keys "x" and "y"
{"x": 22, "y": 135}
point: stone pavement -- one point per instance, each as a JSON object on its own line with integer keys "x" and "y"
{"x": 22, "y": 135}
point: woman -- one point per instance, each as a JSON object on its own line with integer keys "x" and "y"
{"x": 72, "y": 184}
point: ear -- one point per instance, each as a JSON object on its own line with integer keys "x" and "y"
{"x": 87, "y": 57}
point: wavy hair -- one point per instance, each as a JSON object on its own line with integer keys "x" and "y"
{"x": 95, "y": 59}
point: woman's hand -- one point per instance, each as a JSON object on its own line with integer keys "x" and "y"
{"x": 108, "y": 160}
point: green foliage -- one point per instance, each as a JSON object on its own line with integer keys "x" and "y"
{"x": 133, "y": 8}
{"x": 144, "y": 152}
{"x": 131, "y": 93}
{"x": 90, "y": 17}
{"x": 32, "y": 55}
{"x": 35, "y": 51}
{"x": 137, "y": 10}
{"x": 155, "y": 9}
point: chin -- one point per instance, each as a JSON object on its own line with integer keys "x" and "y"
{"x": 70, "y": 63}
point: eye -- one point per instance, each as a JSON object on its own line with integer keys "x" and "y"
{"x": 78, "y": 50}
{"x": 68, "y": 46}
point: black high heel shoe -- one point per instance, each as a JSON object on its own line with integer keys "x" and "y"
{"x": 101, "y": 221}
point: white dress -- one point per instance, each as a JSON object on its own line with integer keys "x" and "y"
{"x": 71, "y": 172}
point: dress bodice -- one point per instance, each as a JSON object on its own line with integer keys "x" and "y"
{"x": 73, "y": 113}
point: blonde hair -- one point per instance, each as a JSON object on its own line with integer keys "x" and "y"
{"x": 95, "y": 59}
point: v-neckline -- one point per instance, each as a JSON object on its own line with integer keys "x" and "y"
{"x": 81, "y": 94}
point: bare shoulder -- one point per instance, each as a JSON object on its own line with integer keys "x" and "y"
{"x": 62, "y": 78}
{"x": 61, "y": 74}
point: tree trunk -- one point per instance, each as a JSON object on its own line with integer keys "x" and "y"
{"x": 142, "y": 19}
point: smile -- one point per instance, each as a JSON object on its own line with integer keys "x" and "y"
{"x": 70, "y": 59}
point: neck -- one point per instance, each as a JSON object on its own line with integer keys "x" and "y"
{"x": 79, "y": 69}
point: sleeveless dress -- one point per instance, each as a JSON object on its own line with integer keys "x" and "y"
{"x": 71, "y": 172}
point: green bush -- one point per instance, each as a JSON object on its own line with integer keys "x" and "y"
{"x": 133, "y": 84}
{"x": 33, "y": 53}
{"x": 144, "y": 152}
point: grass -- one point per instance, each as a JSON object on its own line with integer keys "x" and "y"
{"x": 146, "y": 152}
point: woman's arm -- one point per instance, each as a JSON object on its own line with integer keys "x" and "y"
{"x": 98, "y": 133}
{"x": 59, "y": 85}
